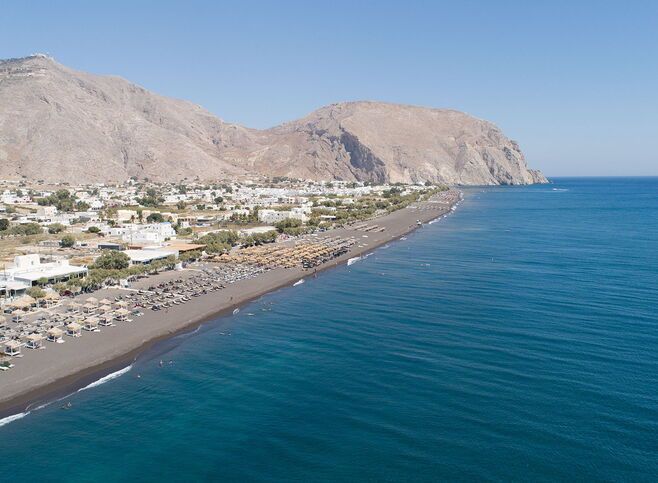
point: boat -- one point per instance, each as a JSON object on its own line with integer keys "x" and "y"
{"x": 299, "y": 282}
{"x": 353, "y": 260}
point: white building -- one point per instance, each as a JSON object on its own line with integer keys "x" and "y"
{"x": 48, "y": 212}
{"x": 27, "y": 269}
{"x": 275, "y": 216}
{"x": 154, "y": 233}
{"x": 142, "y": 257}
{"x": 126, "y": 215}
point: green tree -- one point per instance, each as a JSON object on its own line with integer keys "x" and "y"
{"x": 27, "y": 229}
{"x": 112, "y": 260}
{"x": 220, "y": 241}
{"x": 152, "y": 198}
{"x": 35, "y": 292}
{"x": 155, "y": 218}
{"x": 93, "y": 229}
{"x": 4, "y": 224}
{"x": 191, "y": 255}
{"x": 290, "y": 226}
{"x": 67, "y": 241}
{"x": 56, "y": 228}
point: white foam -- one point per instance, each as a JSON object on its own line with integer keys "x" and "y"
{"x": 13, "y": 417}
{"x": 107, "y": 378}
{"x": 353, "y": 260}
{"x": 299, "y": 282}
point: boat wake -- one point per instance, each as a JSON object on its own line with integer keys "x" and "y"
{"x": 107, "y": 378}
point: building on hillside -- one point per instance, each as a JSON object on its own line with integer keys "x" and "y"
{"x": 47, "y": 212}
{"x": 124, "y": 216}
{"x": 274, "y": 216}
{"x": 154, "y": 233}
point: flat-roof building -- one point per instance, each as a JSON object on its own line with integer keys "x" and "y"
{"x": 142, "y": 257}
{"x": 28, "y": 269}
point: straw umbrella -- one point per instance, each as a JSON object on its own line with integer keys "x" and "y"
{"x": 34, "y": 341}
{"x": 55, "y": 334}
{"x": 51, "y": 297}
{"x": 73, "y": 329}
{"x": 12, "y": 348}
{"x": 121, "y": 314}
{"x": 91, "y": 324}
{"x": 23, "y": 303}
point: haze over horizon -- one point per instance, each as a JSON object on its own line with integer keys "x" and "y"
{"x": 574, "y": 85}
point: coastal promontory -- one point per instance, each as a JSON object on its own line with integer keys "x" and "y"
{"x": 58, "y": 125}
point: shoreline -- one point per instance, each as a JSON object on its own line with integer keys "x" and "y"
{"x": 128, "y": 347}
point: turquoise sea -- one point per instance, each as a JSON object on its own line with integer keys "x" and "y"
{"x": 516, "y": 339}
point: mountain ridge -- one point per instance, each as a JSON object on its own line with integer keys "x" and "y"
{"x": 59, "y": 124}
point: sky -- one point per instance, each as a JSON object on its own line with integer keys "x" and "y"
{"x": 574, "y": 82}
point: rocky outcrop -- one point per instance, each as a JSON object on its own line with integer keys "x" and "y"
{"x": 57, "y": 124}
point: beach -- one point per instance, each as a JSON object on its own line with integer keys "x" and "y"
{"x": 44, "y": 375}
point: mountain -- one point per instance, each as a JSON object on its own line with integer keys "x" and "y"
{"x": 59, "y": 125}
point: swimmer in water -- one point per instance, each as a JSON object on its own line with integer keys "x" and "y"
{"x": 161, "y": 363}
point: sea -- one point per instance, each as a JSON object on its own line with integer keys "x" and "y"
{"x": 513, "y": 340}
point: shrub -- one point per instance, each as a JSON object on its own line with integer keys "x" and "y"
{"x": 67, "y": 241}
{"x": 35, "y": 292}
{"x": 56, "y": 228}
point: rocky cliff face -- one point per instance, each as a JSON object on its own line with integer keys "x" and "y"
{"x": 57, "y": 124}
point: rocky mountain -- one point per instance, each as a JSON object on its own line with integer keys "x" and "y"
{"x": 58, "y": 124}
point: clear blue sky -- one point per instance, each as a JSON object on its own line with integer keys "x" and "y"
{"x": 576, "y": 83}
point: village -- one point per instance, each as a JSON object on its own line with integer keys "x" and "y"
{"x": 59, "y": 244}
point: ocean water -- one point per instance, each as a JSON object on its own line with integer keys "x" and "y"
{"x": 514, "y": 340}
